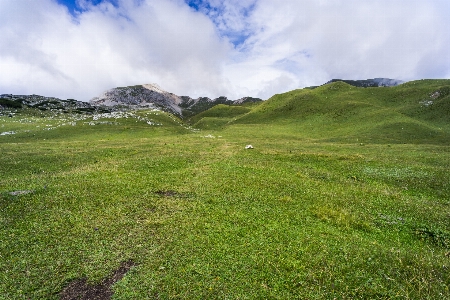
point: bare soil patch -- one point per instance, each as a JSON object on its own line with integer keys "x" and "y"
{"x": 170, "y": 193}
{"x": 80, "y": 289}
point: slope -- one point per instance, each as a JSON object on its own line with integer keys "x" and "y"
{"x": 415, "y": 112}
{"x": 217, "y": 116}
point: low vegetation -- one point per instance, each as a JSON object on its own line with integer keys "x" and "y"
{"x": 345, "y": 195}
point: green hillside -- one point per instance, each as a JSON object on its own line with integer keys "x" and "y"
{"x": 415, "y": 112}
{"x": 217, "y": 116}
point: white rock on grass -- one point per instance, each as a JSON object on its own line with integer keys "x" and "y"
{"x": 18, "y": 193}
{"x": 8, "y": 133}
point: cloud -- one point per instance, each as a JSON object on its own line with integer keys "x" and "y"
{"x": 314, "y": 41}
{"x": 230, "y": 17}
{"x": 211, "y": 48}
{"x": 46, "y": 50}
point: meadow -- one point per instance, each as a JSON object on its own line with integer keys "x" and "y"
{"x": 346, "y": 195}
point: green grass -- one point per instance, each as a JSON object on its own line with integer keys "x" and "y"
{"x": 409, "y": 113}
{"x": 315, "y": 211}
{"x": 218, "y": 116}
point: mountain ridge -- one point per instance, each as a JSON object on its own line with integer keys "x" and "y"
{"x": 375, "y": 82}
{"x": 153, "y": 96}
{"x": 365, "y": 83}
{"x": 48, "y": 103}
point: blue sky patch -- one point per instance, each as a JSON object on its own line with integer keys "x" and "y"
{"x": 218, "y": 13}
{"x": 73, "y": 6}
{"x": 237, "y": 38}
{"x": 195, "y": 4}
{"x": 198, "y": 4}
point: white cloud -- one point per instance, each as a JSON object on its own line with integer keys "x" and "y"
{"x": 313, "y": 41}
{"x": 232, "y": 47}
{"x": 47, "y": 51}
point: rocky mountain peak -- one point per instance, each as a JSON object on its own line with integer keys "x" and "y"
{"x": 147, "y": 95}
{"x": 152, "y": 95}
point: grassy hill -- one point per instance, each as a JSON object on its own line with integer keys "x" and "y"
{"x": 218, "y": 116}
{"x": 345, "y": 195}
{"x": 413, "y": 112}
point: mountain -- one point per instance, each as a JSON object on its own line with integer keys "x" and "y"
{"x": 151, "y": 95}
{"x": 47, "y": 103}
{"x": 130, "y": 97}
{"x": 139, "y": 96}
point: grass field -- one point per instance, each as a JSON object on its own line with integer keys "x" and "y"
{"x": 346, "y": 195}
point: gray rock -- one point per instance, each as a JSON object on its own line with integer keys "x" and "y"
{"x": 18, "y": 193}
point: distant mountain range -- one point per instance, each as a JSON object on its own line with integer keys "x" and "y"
{"x": 375, "y": 82}
{"x": 149, "y": 96}
{"x": 48, "y": 103}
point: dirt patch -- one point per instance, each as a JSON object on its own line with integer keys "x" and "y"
{"x": 169, "y": 193}
{"x": 80, "y": 289}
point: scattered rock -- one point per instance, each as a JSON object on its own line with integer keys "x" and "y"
{"x": 435, "y": 95}
{"x": 80, "y": 289}
{"x": 249, "y": 147}
{"x": 427, "y": 103}
{"x": 8, "y": 133}
{"x": 18, "y": 193}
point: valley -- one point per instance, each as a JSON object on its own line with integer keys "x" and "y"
{"x": 344, "y": 195}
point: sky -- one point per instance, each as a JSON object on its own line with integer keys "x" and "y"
{"x": 80, "y": 48}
